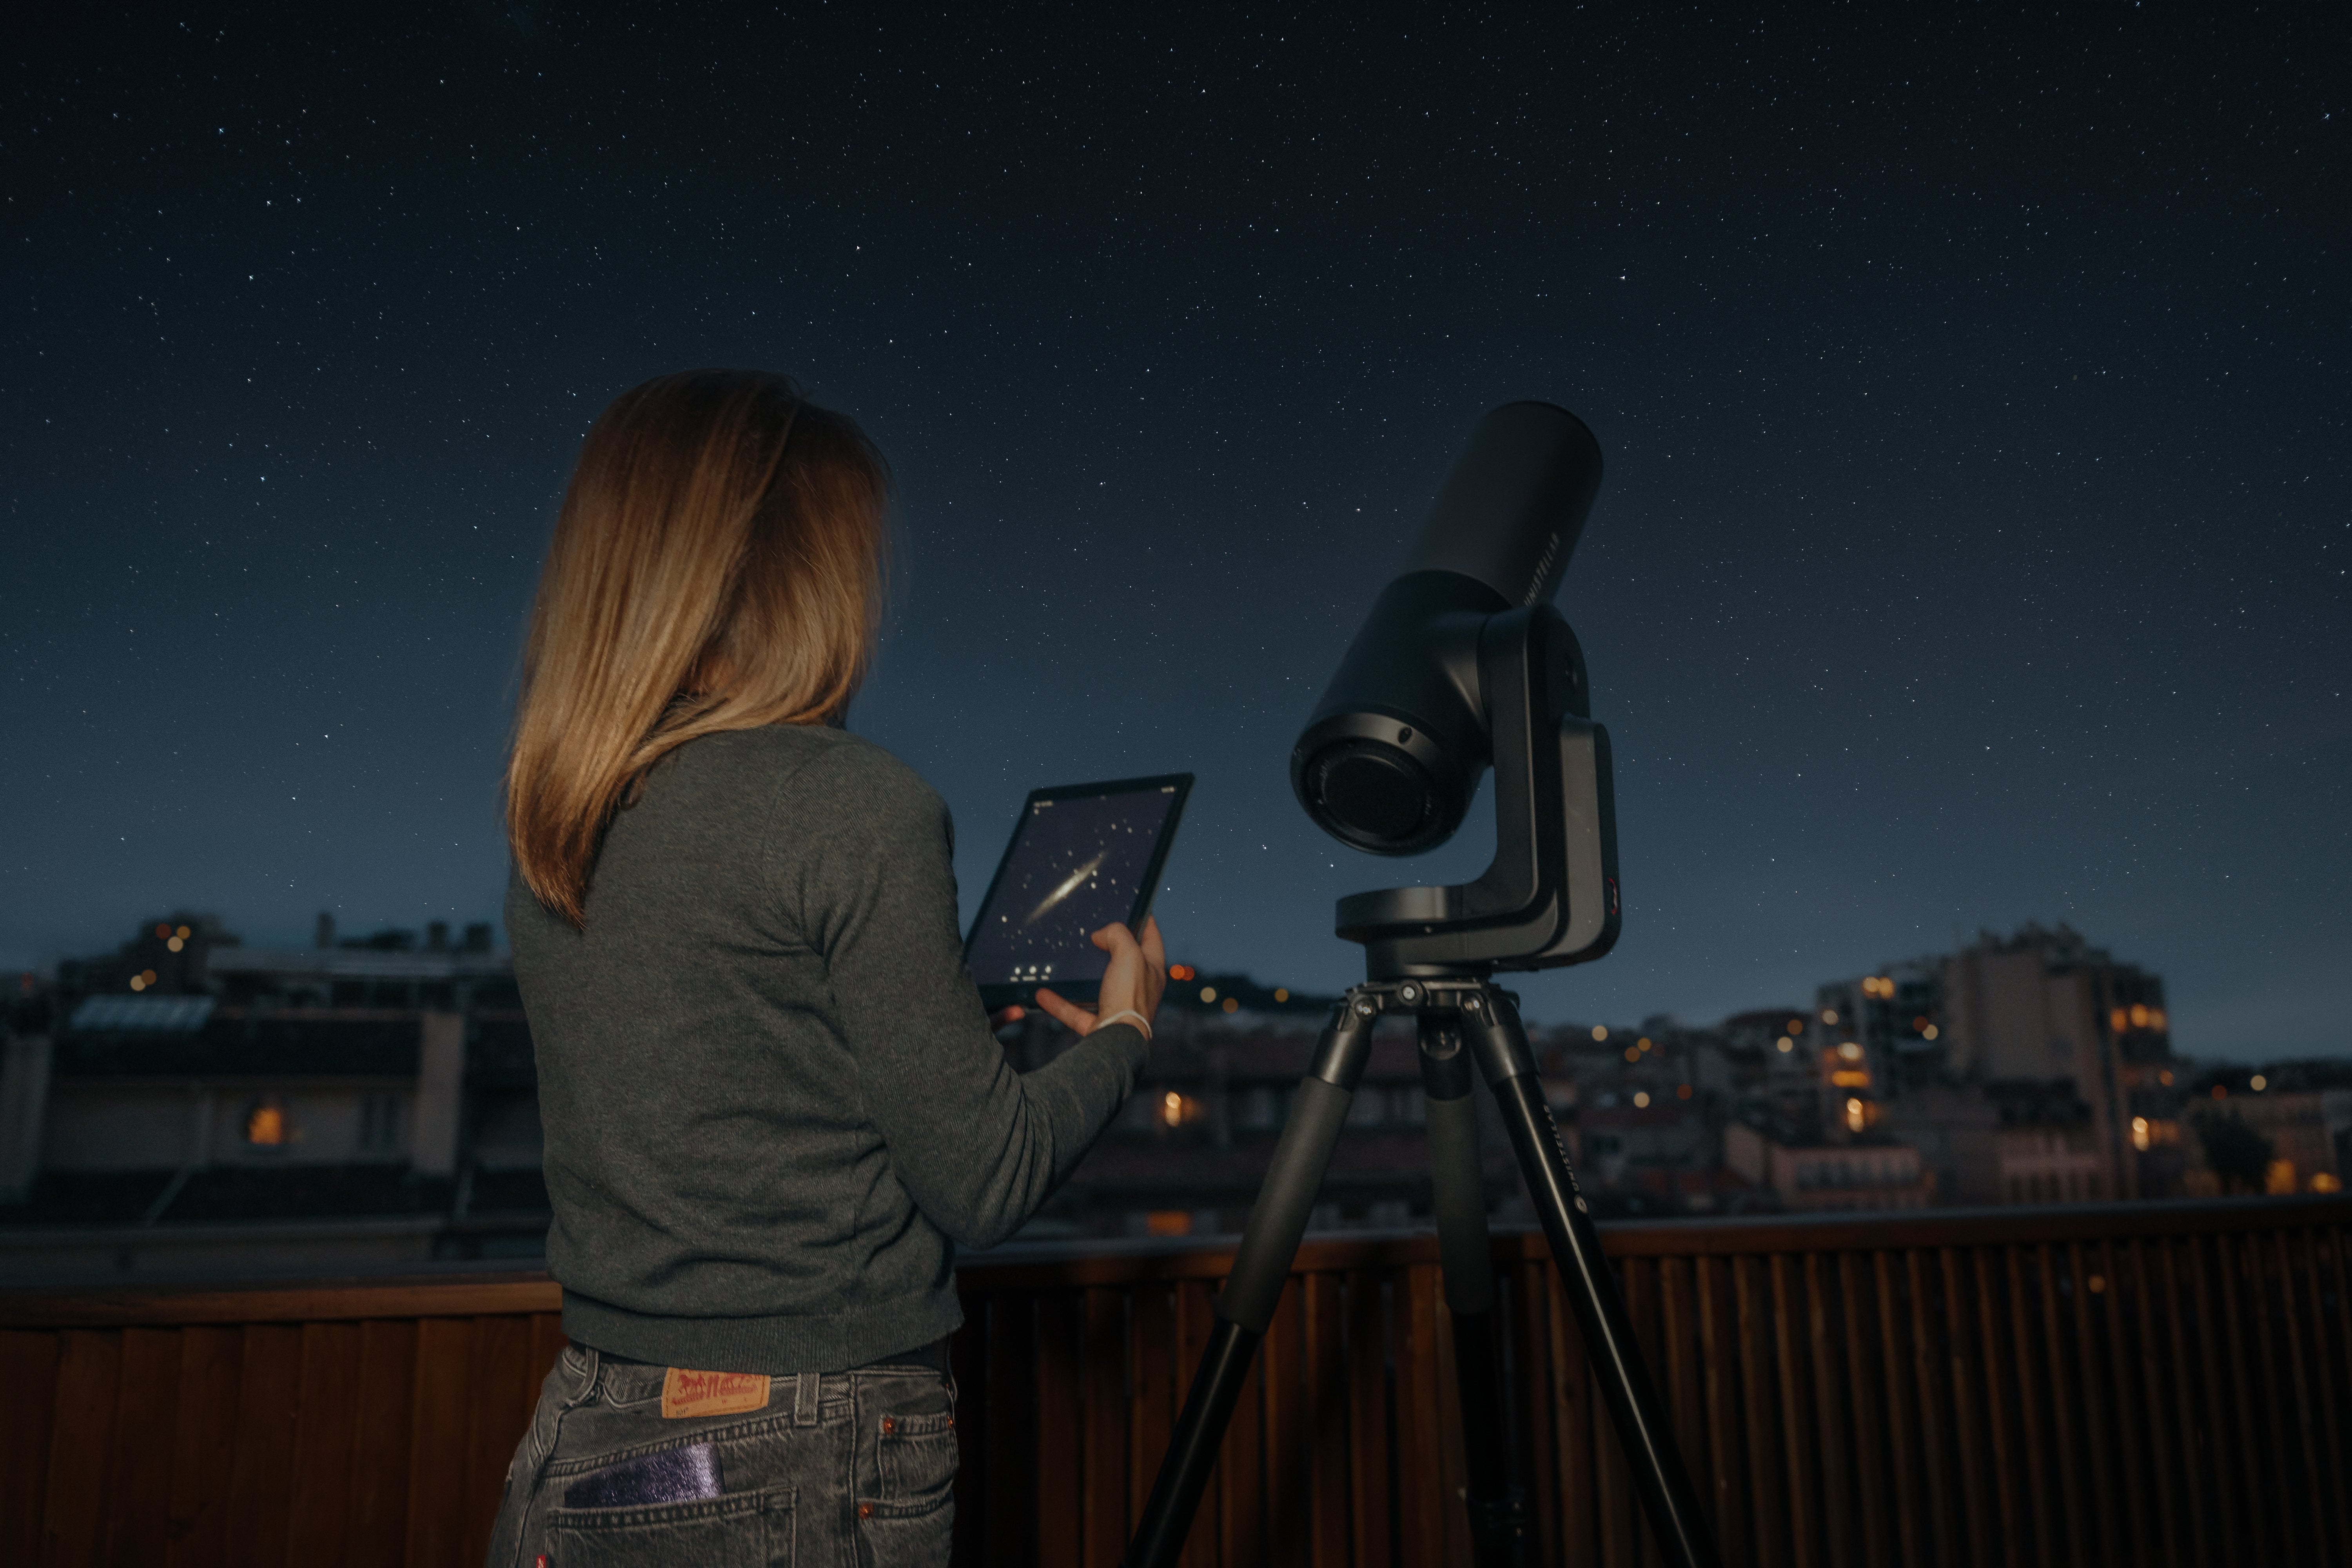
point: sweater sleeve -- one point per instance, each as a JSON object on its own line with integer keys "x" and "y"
{"x": 977, "y": 1145}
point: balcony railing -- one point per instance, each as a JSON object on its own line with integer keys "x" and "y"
{"x": 2151, "y": 1384}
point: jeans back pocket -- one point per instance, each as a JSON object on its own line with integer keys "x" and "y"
{"x": 748, "y": 1530}
{"x": 915, "y": 1460}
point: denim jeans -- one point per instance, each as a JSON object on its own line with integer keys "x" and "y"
{"x": 853, "y": 1469}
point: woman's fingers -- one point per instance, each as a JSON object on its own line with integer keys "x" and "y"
{"x": 1068, "y": 1014}
{"x": 1005, "y": 1015}
{"x": 1155, "y": 952}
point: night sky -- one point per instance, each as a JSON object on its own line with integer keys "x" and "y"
{"x": 1973, "y": 547}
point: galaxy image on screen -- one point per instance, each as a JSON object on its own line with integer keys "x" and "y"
{"x": 1074, "y": 865}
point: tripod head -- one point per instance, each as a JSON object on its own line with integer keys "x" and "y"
{"x": 1463, "y": 663}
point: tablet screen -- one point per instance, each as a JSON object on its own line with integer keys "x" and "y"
{"x": 1081, "y": 858}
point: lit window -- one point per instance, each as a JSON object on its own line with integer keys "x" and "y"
{"x": 1599, "y": 1031}
{"x": 1682, "y": 1092}
{"x": 1855, "y": 1114}
{"x": 1232, "y": 1004}
{"x": 1829, "y": 1014}
{"x": 1208, "y": 993}
{"x": 265, "y": 1124}
{"x": 2118, "y": 1020}
{"x": 184, "y": 933}
{"x": 1643, "y": 1044}
{"x": 1929, "y": 1032}
{"x": 1642, "y": 1099}
{"x": 2259, "y": 1083}
{"x": 1172, "y": 1108}
{"x": 2326, "y": 1182}
{"x": 2140, "y": 1134}
{"x": 139, "y": 983}
{"x": 1633, "y": 1053}
{"x": 1281, "y": 994}
{"x": 2138, "y": 1016}
{"x": 1785, "y": 1043}
{"x": 1168, "y": 1222}
{"x": 175, "y": 945}
{"x": 1851, "y": 1050}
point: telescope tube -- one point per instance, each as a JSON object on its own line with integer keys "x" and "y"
{"x": 1391, "y": 755}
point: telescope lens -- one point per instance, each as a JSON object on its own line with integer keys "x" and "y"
{"x": 1375, "y": 796}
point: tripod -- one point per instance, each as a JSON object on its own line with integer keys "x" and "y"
{"x": 1458, "y": 1020}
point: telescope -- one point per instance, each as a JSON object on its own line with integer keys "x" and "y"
{"x": 1463, "y": 666}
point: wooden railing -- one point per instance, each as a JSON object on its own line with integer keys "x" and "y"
{"x": 2150, "y": 1384}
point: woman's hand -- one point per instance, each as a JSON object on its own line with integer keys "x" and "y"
{"x": 1005, "y": 1015}
{"x": 1137, "y": 975}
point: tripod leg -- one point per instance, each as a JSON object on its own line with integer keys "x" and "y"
{"x": 1246, "y": 1308}
{"x": 1498, "y": 1523}
{"x": 1663, "y": 1484}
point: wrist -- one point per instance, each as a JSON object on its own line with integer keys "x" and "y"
{"x": 1143, "y": 1024}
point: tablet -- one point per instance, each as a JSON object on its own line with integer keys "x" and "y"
{"x": 1083, "y": 857}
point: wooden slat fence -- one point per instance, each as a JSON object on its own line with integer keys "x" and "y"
{"x": 2148, "y": 1383}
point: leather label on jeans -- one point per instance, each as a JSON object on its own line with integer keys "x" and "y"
{"x": 687, "y": 1393}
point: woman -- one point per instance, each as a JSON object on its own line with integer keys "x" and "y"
{"x": 773, "y": 1103}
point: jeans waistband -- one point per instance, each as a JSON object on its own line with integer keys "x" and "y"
{"x": 932, "y": 1356}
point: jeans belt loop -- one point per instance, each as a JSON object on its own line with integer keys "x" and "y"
{"x": 591, "y": 1364}
{"x": 804, "y": 1399}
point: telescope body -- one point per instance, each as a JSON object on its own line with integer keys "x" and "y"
{"x": 1392, "y": 753}
{"x": 1463, "y": 663}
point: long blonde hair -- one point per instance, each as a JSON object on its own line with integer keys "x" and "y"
{"x": 717, "y": 565}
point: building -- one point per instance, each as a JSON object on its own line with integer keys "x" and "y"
{"x": 1812, "y": 1173}
{"x": 2030, "y": 1069}
{"x": 189, "y": 1103}
{"x": 2045, "y": 1006}
{"x": 2301, "y": 1112}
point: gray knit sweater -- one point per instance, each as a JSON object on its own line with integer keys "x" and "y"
{"x": 773, "y": 1104}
